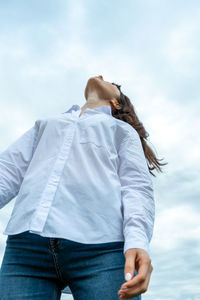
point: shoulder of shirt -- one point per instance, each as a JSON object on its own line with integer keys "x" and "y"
{"x": 44, "y": 120}
{"x": 126, "y": 129}
{"x": 129, "y": 131}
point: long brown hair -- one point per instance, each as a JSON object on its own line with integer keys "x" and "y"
{"x": 127, "y": 114}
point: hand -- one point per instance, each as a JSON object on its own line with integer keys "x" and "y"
{"x": 136, "y": 258}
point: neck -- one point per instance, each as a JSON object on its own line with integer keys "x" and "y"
{"x": 94, "y": 101}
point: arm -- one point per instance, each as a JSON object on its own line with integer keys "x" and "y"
{"x": 138, "y": 205}
{"x": 14, "y": 162}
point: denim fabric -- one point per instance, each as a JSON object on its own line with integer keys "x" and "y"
{"x": 40, "y": 268}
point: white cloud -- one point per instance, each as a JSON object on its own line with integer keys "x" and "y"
{"x": 182, "y": 48}
{"x": 174, "y": 225}
{"x": 174, "y": 130}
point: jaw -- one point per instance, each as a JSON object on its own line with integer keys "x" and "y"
{"x": 92, "y": 84}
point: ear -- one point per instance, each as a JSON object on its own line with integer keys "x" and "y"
{"x": 115, "y": 104}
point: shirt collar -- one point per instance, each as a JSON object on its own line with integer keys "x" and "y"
{"x": 104, "y": 108}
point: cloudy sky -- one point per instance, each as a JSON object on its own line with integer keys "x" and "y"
{"x": 49, "y": 49}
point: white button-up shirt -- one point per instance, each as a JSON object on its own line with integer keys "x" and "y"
{"x": 80, "y": 178}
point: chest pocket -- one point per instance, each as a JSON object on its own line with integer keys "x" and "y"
{"x": 93, "y": 135}
{"x": 96, "y": 141}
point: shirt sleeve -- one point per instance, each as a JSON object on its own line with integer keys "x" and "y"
{"x": 138, "y": 207}
{"x": 14, "y": 162}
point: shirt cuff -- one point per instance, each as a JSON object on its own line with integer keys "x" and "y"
{"x": 137, "y": 244}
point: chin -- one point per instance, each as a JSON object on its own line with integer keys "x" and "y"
{"x": 94, "y": 78}
{"x": 93, "y": 81}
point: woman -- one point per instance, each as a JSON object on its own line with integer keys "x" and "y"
{"x": 84, "y": 212}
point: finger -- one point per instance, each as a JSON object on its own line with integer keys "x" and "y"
{"x": 138, "y": 289}
{"x": 139, "y": 278}
{"x": 129, "y": 267}
{"x": 135, "y": 294}
{"x": 125, "y": 291}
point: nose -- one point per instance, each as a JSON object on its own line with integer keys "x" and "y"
{"x": 100, "y": 76}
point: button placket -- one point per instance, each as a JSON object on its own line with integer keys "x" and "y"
{"x": 41, "y": 213}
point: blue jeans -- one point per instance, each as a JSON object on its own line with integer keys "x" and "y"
{"x": 39, "y": 268}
